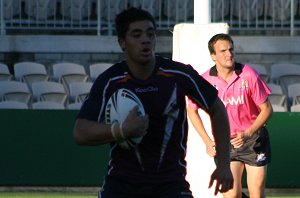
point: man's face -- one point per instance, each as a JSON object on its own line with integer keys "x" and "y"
{"x": 224, "y": 54}
{"x": 139, "y": 42}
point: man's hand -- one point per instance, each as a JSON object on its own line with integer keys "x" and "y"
{"x": 135, "y": 125}
{"x": 220, "y": 127}
{"x": 224, "y": 179}
{"x": 210, "y": 149}
{"x": 238, "y": 141}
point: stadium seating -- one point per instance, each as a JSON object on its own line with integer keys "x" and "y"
{"x": 67, "y": 73}
{"x": 79, "y": 90}
{"x": 278, "y": 108}
{"x": 88, "y": 15}
{"x": 286, "y": 80}
{"x": 40, "y": 10}
{"x": 275, "y": 88}
{"x": 279, "y": 100}
{"x": 282, "y": 69}
{"x": 74, "y": 83}
{"x": 279, "y": 9}
{"x": 4, "y": 72}
{"x": 152, "y": 6}
{"x": 109, "y": 9}
{"x": 75, "y": 9}
{"x": 74, "y": 106}
{"x": 294, "y": 93}
{"x": 49, "y": 91}
{"x": 277, "y": 97}
{"x": 47, "y": 105}
{"x": 261, "y": 69}
{"x": 296, "y": 100}
{"x": 218, "y": 5}
{"x": 295, "y": 108}
{"x": 30, "y": 72}
{"x": 285, "y": 74}
{"x": 13, "y": 105}
{"x": 248, "y": 10}
{"x": 10, "y": 9}
{"x": 180, "y": 11}
{"x": 98, "y": 68}
{"x": 15, "y": 91}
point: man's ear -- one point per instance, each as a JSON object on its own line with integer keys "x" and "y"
{"x": 121, "y": 43}
{"x": 213, "y": 57}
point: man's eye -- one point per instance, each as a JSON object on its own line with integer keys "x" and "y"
{"x": 151, "y": 34}
{"x": 136, "y": 35}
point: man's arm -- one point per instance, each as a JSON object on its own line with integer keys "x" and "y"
{"x": 87, "y": 132}
{"x": 221, "y": 131}
{"x": 198, "y": 125}
{"x": 264, "y": 115}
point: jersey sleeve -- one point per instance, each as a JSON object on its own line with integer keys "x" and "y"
{"x": 191, "y": 104}
{"x": 202, "y": 94}
{"x": 259, "y": 89}
{"x": 93, "y": 107}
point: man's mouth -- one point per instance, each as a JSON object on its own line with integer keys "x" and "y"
{"x": 146, "y": 51}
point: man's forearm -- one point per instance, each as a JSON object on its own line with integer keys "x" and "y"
{"x": 221, "y": 132}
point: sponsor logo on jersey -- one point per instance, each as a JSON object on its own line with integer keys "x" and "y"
{"x": 244, "y": 84}
{"x": 147, "y": 89}
{"x": 234, "y": 101}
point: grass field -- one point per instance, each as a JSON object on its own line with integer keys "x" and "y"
{"x": 58, "y": 195}
{"x": 44, "y": 195}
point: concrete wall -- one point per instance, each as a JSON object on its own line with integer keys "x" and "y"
{"x": 88, "y": 49}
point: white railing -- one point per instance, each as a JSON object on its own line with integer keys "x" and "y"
{"x": 97, "y": 16}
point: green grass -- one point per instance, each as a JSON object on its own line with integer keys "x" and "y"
{"x": 60, "y": 195}
{"x": 44, "y": 195}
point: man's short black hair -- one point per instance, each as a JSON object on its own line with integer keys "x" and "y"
{"x": 128, "y": 16}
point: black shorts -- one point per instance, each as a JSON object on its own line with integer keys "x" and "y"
{"x": 114, "y": 187}
{"x": 256, "y": 150}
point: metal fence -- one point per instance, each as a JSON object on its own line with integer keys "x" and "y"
{"x": 258, "y": 16}
{"x": 97, "y": 16}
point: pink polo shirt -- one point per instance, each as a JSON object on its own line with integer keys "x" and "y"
{"x": 241, "y": 96}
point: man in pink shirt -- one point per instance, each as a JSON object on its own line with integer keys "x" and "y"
{"x": 245, "y": 96}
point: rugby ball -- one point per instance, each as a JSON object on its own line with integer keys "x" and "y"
{"x": 118, "y": 106}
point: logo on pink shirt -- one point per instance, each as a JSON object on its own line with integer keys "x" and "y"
{"x": 244, "y": 84}
{"x": 234, "y": 101}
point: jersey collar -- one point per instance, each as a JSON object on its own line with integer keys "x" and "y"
{"x": 238, "y": 68}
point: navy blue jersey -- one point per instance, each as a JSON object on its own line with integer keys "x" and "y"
{"x": 161, "y": 154}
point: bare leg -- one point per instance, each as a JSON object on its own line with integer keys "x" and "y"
{"x": 237, "y": 169}
{"x": 256, "y": 178}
